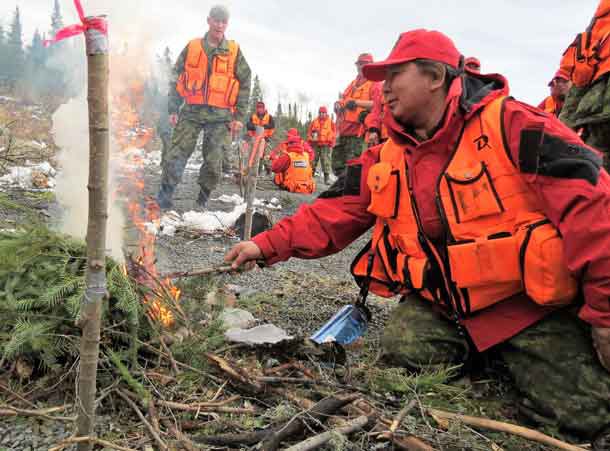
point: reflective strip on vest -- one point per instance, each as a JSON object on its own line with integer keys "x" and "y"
{"x": 201, "y": 84}
{"x": 499, "y": 242}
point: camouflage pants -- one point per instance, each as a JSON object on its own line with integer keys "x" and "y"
{"x": 347, "y": 147}
{"x": 588, "y": 109}
{"x": 184, "y": 140}
{"x": 552, "y": 362}
{"x": 323, "y": 154}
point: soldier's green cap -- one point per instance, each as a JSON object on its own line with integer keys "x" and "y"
{"x": 219, "y": 12}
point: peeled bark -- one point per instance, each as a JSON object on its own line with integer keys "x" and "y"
{"x": 96, "y": 290}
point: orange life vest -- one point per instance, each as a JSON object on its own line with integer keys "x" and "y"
{"x": 201, "y": 84}
{"x": 324, "y": 130}
{"x": 588, "y": 57}
{"x": 499, "y": 241}
{"x": 353, "y": 92}
{"x": 549, "y": 105}
{"x": 298, "y": 177}
{"x": 261, "y": 122}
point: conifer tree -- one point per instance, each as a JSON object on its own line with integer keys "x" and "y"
{"x": 256, "y": 95}
{"x": 15, "y": 54}
{"x": 3, "y": 56}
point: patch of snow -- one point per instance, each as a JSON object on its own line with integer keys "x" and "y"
{"x": 39, "y": 176}
{"x": 273, "y": 204}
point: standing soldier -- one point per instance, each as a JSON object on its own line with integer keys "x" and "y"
{"x": 587, "y": 61}
{"x": 560, "y": 85}
{"x": 262, "y": 118}
{"x": 321, "y": 136}
{"x": 356, "y": 101}
{"x": 210, "y": 89}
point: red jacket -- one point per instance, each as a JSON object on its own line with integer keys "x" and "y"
{"x": 579, "y": 207}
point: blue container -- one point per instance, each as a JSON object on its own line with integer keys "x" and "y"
{"x": 345, "y": 327}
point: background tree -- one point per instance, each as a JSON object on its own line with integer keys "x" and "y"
{"x": 15, "y": 58}
{"x": 256, "y": 95}
{"x": 3, "y": 56}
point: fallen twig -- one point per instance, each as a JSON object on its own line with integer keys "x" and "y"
{"x": 199, "y": 272}
{"x": 10, "y": 411}
{"x": 183, "y": 439}
{"x": 236, "y": 374}
{"x": 319, "y": 440}
{"x": 16, "y": 395}
{"x": 95, "y": 441}
{"x": 151, "y": 429}
{"x": 521, "y": 431}
{"x": 202, "y": 408}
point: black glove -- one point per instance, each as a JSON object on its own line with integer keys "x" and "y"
{"x": 351, "y": 105}
{"x": 362, "y": 116}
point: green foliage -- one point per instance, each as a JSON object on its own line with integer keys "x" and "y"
{"x": 399, "y": 380}
{"x": 42, "y": 283}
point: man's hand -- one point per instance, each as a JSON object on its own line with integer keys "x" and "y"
{"x": 351, "y": 105}
{"x": 243, "y": 252}
{"x": 373, "y": 139}
{"x": 601, "y": 343}
{"x": 173, "y": 119}
{"x": 235, "y": 126}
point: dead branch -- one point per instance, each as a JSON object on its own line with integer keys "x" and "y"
{"x": 198, "y": 272}
{"x": 237, "y": 375}
{"x": 92, "y": 440}
{"x": 202, "y": 408}
{"x": 273, "y": 436}
{"x": 521, "y": 431}
{"x": 16, "y": 395}
{"x": 183, "y": 439}
{"x": 319, "y": 440}
{"x": 307, "y": 381}
{"x": 151, "y": 429}
{"x": 10, "y": 411}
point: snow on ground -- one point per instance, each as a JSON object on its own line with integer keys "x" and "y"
{"x": 36, "y": 177}
{"x": 272, "y": 204}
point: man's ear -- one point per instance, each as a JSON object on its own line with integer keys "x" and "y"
{"x": 438, "y": 75}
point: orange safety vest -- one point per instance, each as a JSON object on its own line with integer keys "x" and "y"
{"x": 324, "y": 130}
{"x": 353, "y": 92}
{"x": 261, "y": 122}
{"x": 588, "y": 56}
{"x": 499, "y": 241}
{"x": 298, "y": 177}
{"x": 202, "y": 84}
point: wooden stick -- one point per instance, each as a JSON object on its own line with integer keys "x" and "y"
{"x": 319, "y": 440}
{"x": 521, "y": 431}
{"x": 94, "y": 441}
{"x": 16, "y": 395}
{"x": 202, "y": 409}
{"x": 183, "y": 439}
{"x": 236, "y": 374}
{"x": 252, "y": 179}
{"x": 151, "y": 429}
{"x": 198, "y": 272}
{"x": 10, "y": 411}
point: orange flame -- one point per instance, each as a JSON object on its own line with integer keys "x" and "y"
{"x": 132, "y": 133}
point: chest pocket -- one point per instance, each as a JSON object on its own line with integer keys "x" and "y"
{"x": 383, "y": 181}
{"x": 472, "y": 193}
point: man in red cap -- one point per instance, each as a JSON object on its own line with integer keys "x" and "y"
{"x": 351, "y": 109}
{"x": 481, "y": 208}
{"x": 560, "y": 85}
{"x": 473, "y": 64}
{"x": 262, "y": 118}
{"x": 321, "y": 136}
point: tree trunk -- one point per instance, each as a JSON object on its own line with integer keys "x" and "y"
{"x": 252, "y": 179}
{"x": 96, "y": 291}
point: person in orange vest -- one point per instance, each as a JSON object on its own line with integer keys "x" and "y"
{"x": 376, "y": 130}
{"x": 356, "y": 101}
{"x": 481, "y": 211}
{"x": 292, "y": 168}
{"x": 262, "y": 118}
{"x": 587, "y": 62}
{"x": 209, "y": 92}
{"x": 283, "y": 146}
{"x": 473, "y": 64}
{"x": 321, "y": 136}
{"x": 560, "y": 85}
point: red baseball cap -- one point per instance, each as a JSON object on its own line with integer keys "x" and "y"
{"x": 412, "y": 45}
{"x": 292, "y": 132}
{"x": 560, "y": 74}
{"x": 322, "y": 110}
{"x": 364, "y": 58}
{"x": 260, "y": 103}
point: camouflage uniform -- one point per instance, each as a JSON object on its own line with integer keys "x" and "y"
{"x": 553, "y": 362}
{"x": 589, "y": 108}
{"x": 323, "y": 154}
{"x": 214, "y": 122}
{"x": 347, "y": 148}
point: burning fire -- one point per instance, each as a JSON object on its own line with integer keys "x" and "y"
{"x": 131, "y": 135}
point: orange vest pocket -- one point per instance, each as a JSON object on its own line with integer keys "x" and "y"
{"x": 383, "y": 181}
{"x": 473, "y": 194}
{"x": 546, "y": 277}
{"x": 484, "y": 262}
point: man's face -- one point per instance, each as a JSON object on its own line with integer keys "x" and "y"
{"x": 217, "y": 28}
{"x": 260, "y": 109}
{"x": 407, "y": 92}
{"x": 323, "y": 115}
{"x": 560, "y": 87}
{"x": 359, "y": 66}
